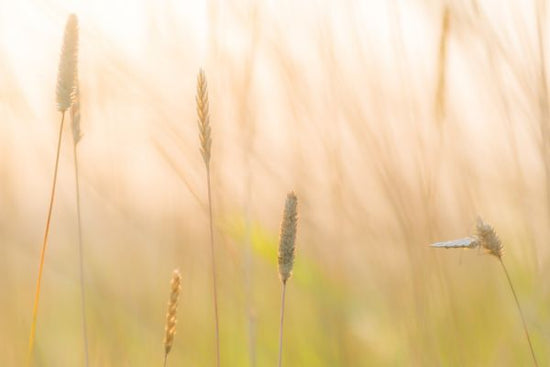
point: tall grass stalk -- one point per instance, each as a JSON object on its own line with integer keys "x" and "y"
{"x": 281, "y": 324}
{"x": 75, "y": 124}
{"x": 487, "y": 239}
{"x": 65, "y": 94}
{"x": 44, "y": 246}
{"x": 525, "y": 330}
{"x": 287, "y": 249}
{"x": 206, "y": 144}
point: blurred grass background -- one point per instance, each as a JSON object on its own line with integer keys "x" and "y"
{"x": 396, "y": 123}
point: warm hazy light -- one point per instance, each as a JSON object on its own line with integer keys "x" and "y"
{"x": 392, "y": 133}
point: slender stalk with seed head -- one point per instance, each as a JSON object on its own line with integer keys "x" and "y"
{"x": 205, "y": 149}
{"x": 171, "y": 320}
{"x": 489, "y": 240}
{"x": 287, "y": 245}
{"x": 65, "y": 92}
{"x": 75, "y": 127}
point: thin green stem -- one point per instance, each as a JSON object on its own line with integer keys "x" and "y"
{"x": 212, "y": 256}
{"x": 520, "y": 313}
{"x": 165, "y": 359}
{"x": 281, "y": 325}
{"x": 80, "y": 256}
{"x": 44, "y": 246}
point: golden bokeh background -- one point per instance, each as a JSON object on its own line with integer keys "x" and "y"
{"x": 396, "y": 123}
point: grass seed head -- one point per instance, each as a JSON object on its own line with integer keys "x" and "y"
{"x": 66, "y": 77}
{"x": 203, "y": 117}
{"x": 75, "y": 116}
{"x": 488, "y": 238}
{"x": 288, "y": 237}
{"x": 170, "y": 329}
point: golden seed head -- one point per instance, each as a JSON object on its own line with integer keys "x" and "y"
{"x": 66, "y": 77}
{"x": 75, "y": 116}
{"x": 488, "y": 238}
{"x": 203, "y": 117}
{"x": 288, "y": 237}
{"x": 170, "y": 329}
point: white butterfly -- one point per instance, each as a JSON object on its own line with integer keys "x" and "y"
{"x": 468, "y": 242}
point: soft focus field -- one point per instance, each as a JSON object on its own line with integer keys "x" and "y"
{"x": 394, "y": 130}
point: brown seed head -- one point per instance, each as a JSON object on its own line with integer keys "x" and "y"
{"x": 288, "y": 237}
{"x": 170, "y": 329}
{"x": 66, "y": 76}
{"x": 488, "y": 238}
{"x": 203, "y": 117}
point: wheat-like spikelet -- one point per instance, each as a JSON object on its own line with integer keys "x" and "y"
{"x": 206, "y": 144}
{"x": 66, "y": 86}
{"x": 488, "y": 238}
{"x": 288, "y": 237}
{"x": 203, "y": 117}
{"x": 171, "y": 320}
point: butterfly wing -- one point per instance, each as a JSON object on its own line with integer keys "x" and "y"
{"x": 468, "y": 242}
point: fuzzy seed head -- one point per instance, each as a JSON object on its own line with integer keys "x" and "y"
{"x": 75, "y": 117}
{"x": 66, "y": 76}
{"x": 203, "y": 117}
{"x": 170, "y": 329}
{"x": 488, "y": 238}
{"x": 287, "y": 239}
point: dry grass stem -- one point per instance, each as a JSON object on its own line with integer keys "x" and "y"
{"x": 171, "y": 319}
{"x": 487, "y": 239}
{"x": 75, "y": 127}
{"x": 287, "y": 247}
{"x": 65, "y": 96}
{"x": 206, "y": 143}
